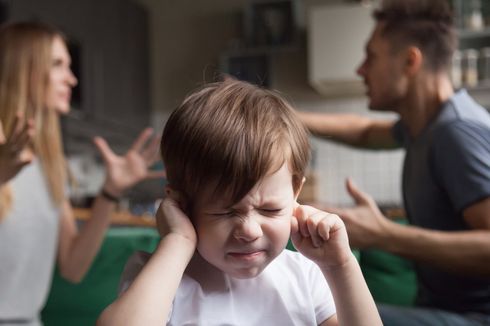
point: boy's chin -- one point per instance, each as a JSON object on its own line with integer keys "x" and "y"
{"x": 246, "y": 273}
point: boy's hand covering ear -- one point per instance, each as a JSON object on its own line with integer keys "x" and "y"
{"x": 320, "y": 236}
{"x": 172, "y": 220}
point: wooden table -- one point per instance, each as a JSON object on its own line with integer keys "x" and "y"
{"x": 118, "y": 218}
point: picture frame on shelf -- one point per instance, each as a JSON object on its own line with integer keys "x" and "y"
{"x": 250, "y": 67}
{"x": 271, "y": 23}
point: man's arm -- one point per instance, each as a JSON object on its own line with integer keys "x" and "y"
{"x": 465, "y": 252}
{"x": 460, "y": 252}
{"x": 351, "y": 129}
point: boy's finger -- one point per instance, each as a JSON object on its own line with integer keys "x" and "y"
{"x": 301, "y": 217}
{"x": 295, "y": 234}
{"x": 294, "y": 225}
{"x": 327, "y": 224}
{"x": 324, "y": 231}
{"x": 312, "y": 224}
{"x": 295, "y": 207}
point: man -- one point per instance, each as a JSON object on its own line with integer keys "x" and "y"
{"x": 446, "y": 173}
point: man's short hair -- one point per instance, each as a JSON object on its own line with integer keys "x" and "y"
{"x": 229, "y": 135}
{"x": 427, "y": 24}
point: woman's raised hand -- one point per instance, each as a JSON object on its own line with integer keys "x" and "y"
{"x": 125, "y": 171}
{"x": 16, "y": 147}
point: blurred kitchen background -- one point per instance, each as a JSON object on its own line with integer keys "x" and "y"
{"x": 136, "y": 60}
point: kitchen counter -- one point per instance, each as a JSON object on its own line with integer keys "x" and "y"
{"x": 118, "y": 218}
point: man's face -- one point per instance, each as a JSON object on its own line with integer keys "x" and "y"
{"x": 242, "y": 239}
{"x": 382, "y": 72}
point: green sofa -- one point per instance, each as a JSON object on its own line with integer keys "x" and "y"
{"x": 80, "y": 304}
{"x": 390, "y": 278}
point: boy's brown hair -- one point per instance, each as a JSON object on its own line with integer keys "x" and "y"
{"x": 427, "y": 24}
{"x": 229, "y": 135}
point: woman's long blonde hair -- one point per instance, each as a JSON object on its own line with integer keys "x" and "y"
{"x": 25, "y": 62}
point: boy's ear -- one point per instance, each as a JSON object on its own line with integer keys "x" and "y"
{"x": 298, "y": 191}
{"x": 177, "y": 196}
{"x": 170, "y": 192}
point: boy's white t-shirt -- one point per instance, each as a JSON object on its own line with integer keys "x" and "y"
{"x": 291, "y": 290}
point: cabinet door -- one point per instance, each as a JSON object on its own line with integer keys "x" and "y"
{"x": 125, "y": 65}
{"x": 336, "y": 40}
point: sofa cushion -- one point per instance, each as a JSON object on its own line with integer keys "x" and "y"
{"x": 81, "y": 304}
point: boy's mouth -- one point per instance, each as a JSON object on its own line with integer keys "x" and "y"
{"x": 247, "y": 255}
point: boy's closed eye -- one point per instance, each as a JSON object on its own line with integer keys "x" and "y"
{"x": 223, "y": 214}
{"x": 270, "y": 211}
{"x": 263, "y": 210}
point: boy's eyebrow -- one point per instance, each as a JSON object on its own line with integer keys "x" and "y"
{"x": 273, "y": 201}
{"x": 266, "y": 202}
{"x": 218, "y": 206}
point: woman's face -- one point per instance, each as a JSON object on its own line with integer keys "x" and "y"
{"x": 61, "y": 78}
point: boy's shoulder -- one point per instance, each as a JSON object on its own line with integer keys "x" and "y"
{"x": 286, "y": 266}
{"x": 133, "y": 267}
{"x": 292, "y": 263}
{"x": 292, "y": 258}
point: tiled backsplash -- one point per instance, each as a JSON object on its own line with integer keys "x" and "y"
{"x": 373, "y": 171}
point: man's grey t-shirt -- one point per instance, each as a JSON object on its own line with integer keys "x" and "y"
{"x": 447, "y": 169}
{"x": 28, "y": 246}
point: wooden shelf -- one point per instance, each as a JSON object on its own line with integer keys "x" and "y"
{"x": 465, "y": 34}
{"x": 118, "y": 218}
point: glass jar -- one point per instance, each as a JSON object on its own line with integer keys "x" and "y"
{"x": 474, "y": 17}
{"x": 485, "y": 65}
{"x": 456, "y": 70}
{"x": 470, "y": 72}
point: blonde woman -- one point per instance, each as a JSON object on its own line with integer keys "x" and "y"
{"x": 37, "y": 226}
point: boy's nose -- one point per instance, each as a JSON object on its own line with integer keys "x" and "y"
{"x": 247, "y": 229}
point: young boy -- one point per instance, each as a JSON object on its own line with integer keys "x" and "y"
{"x": 235, "y": 157}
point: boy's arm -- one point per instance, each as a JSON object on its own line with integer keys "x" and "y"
{"x": 322, "y": 238}
{"x": 149, "y": 299}
{"x": 353, "y": 301}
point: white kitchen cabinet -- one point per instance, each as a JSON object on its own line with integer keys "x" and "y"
{"x": 336, "y": 39}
